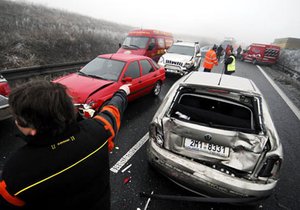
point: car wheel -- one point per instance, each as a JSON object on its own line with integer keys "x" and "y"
{"x": 157, "y": 88}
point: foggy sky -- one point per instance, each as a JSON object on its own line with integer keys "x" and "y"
{"x": 249, "y": 21}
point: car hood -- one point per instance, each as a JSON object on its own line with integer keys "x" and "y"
{"x": 81, "y": 87}
{"x": 177, "y": 57}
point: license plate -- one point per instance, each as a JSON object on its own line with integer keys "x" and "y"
{"x": 206, "y": 147}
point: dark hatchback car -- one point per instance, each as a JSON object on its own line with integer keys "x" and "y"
{"x": 215, "y": 136}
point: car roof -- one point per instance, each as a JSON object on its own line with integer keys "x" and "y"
{"x": 190, "y": 44}
{"x": 123, "y": 56}
{"x": 227, "y": 82}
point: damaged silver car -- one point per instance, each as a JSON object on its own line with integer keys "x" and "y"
{"x": 213, "y": 134}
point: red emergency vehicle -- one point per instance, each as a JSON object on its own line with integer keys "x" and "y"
{"x": 147, "y": 42}
{"x": 261, "y": 53}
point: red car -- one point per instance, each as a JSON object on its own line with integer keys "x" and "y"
{"x": 96, "y": 82}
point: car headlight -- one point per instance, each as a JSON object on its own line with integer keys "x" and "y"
{"x": 189, "y": 64}
{"x": 271, "y": 167}
{"x": 156, "y": 134}
{"x": 161, "y": 61}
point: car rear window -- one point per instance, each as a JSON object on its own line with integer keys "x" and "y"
{"x": 213, "y": 111}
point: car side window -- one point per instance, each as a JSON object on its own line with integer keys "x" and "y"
{"x": 161, "y": 42}
{"x": 146, "y": 67}
{"x": 133, "y": 70}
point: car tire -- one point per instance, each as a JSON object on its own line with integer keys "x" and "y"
{"x": 157, "y": 88}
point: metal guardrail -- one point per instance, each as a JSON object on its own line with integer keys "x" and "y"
{"x": 289, "y": 70}
{"x": 17, "y": 74}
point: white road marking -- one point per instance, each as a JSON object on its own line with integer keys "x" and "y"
{"x": 129, "y": 154}
{"x": 148, "y": 201}
{"x": 126, "y": 168}
{"x": 282, "y": 94}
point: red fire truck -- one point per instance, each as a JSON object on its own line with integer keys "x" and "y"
{"x": 261, "y": 53}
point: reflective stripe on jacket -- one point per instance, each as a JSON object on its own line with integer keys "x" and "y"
{"x": 210, "y": 59}
{"x": 231, "y": 66}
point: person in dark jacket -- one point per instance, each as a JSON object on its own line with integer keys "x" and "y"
{"x": 219, "y": 52}
{"x": 64, "y": 163}
{"x": 229, "y": 63}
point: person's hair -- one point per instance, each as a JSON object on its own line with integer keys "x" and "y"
{"x": 42, "y": 105}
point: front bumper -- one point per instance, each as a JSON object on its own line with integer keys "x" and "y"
{"x": 203, "y": 179}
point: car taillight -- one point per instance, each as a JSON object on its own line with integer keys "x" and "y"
{"x": 271, "y": 167}
{"x": 156, "y": 134}
{"x": 4, "y": 89}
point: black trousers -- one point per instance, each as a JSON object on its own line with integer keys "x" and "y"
{"x": 207, "y": 70}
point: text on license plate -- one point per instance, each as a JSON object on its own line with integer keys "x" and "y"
{"x": 206, "y": 147}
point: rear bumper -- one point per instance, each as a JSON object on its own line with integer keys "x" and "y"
{"x": 5, "y": 112}
{"x": 203, "y": 179}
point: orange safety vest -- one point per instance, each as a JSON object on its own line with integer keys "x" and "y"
{"x": 210, "y": 59}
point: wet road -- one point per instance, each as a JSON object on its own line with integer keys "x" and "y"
{"x": 140, "y": 177}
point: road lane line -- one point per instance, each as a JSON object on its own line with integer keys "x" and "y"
{"x": 129, "y": 154}
{"x": 282, "y": 94}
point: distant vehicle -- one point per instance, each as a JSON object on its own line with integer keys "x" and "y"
{"x": 181, "y": 58}
{"x": 204, "y": 49}
{"x": 215, "y": 137}
{"x": 261, "y": 54}
{"x": 147, "y": 42}
{"x": 228, "y": 41}
{"x": 4, "y": 92}
{"x": 94, "y": 85}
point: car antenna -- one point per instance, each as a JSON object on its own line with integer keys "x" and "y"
{"x": 223, "y": 69}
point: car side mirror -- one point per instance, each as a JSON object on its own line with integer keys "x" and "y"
{"x": 151, "y": 46}
{"x": 127, "y": 79}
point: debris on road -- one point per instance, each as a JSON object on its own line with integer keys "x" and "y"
{"x": 126, "y": 180}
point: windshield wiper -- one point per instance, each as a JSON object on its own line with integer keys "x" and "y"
{"x": 95, "y": 76}
{"x": 82, "y": 73}
{"x": 125, "y": 46}
{"x": 135, "y": 46}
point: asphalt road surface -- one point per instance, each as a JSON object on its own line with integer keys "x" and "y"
{"x": 131, "y": 174}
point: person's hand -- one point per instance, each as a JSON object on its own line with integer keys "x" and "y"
{"x": 126, "y": 88}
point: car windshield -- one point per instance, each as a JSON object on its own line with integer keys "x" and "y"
{"x": 103, "y": 68}
{"x": 184, "y": 50}
{"x": 136, "y": 42}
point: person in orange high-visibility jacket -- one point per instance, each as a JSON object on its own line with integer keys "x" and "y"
{"x": 64, "y": 163}
{"x": 210, "y": 59}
